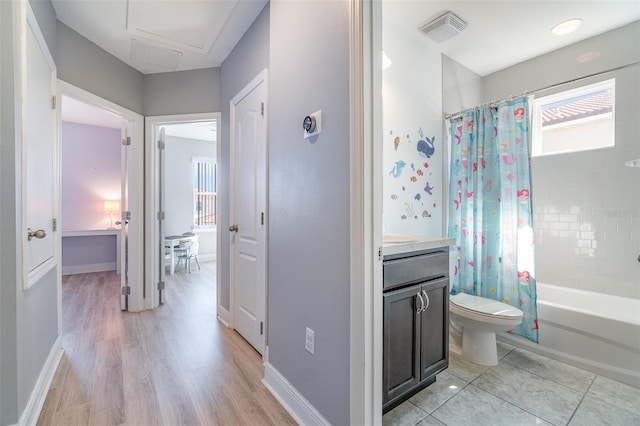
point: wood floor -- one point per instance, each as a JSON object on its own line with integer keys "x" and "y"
{"x": 175, "y": 365}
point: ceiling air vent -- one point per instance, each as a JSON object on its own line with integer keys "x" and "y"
{"x": 444, "y": 27}
{"x": 158, "y": 56}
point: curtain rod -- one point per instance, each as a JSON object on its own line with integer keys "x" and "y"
{"x": 540, "y": 89}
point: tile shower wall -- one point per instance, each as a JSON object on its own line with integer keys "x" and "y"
{"x": 413, "y": 146}
{"x": 587, "y": 204}
{"x": 587, "y": 207}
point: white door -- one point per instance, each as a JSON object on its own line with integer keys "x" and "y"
{"x": 248, "y": 209}
{"x": 39, "y": 133}
{"x": 125, "y": 165}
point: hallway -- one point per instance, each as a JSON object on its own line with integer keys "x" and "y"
{"x": 175, "y": 365}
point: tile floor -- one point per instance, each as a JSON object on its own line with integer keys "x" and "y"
{"x": 523, "y": 389}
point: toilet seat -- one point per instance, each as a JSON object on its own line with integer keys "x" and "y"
{"x": 470, "y": 306}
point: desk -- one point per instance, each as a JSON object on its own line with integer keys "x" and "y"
{"x": 173, "y": 241}
{"x": 94, "y": 267}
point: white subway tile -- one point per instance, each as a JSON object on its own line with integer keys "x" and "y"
{"x": 587, "y": 235}
{"x": 584, "y": 244}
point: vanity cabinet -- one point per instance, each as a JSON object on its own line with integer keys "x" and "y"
{"x": 416, "y": 324}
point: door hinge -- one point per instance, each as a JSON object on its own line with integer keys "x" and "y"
{"x": 160, "y": 145}
{"x": 262, "y": 218}
{"x": 53, "y": 102}
{"x": 160, "y": 285}
{"x": 160, "y": 215}
{"x": 126, "y": 141}
{"x": 261, "y": 328}
{"x": 262, "y": 109}
{"x": 54, "y": 224}
{"x": 126, "y": 215}
{"x": 126, "y": 291}
{"x": 379, "y": 253}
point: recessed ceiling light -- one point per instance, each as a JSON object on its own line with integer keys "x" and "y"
{"x": 566, "y": 27}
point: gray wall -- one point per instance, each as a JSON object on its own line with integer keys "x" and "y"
{"x": 83, "y": 64}
{"x": 248, "y": 58}
{"x": 561, "y": 65}
{"x": 309, "y": 255}
{"x": 8, "y": 225}
{"x": 182, "y": 92}
{"x": 46, "y": 17}
{"x": 29, "y": 319}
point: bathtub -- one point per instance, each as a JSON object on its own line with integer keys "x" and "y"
{"x": 593, "y": 331}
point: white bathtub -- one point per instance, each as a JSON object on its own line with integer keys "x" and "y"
{"x": 593, "y": 331}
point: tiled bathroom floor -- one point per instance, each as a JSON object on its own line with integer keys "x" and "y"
{"x": 523, "y": 389}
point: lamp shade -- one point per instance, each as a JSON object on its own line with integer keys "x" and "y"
{"x": 111, "y": 206}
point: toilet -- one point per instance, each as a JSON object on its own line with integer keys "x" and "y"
{"x": 478, "y": 319}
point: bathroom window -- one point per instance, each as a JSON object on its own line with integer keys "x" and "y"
{"x": 574, "y": 120}
{"x": 204, "y": 192}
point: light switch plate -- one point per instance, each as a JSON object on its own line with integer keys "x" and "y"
{"x": 310, "y": 341}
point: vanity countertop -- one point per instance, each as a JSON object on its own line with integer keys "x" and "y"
{"x": 419, "y": 244}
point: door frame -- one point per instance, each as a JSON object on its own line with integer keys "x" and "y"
{"x": 261, "y": 78}
{"x": 136, "y": 205}
{"x": 151, "y": 242}
{"x": 366, "y": 133}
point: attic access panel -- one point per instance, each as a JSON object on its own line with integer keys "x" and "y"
{"x": 185, "y": 25}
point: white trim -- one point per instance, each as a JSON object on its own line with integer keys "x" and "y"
{"x": 135, "y": 124}
{"x": 209, "y": 257}
{"x": 151, "y": 242}
{"x": 38, "y": 396}
{"x": 40, "y": 271}
{"x": 295, "y": 404}
{"x": 366, "y": 214}
{"x": 89, "y": 268}
{"x": 224, "y": 316}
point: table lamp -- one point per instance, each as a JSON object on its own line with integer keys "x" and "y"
{"x": 111, "y": 207}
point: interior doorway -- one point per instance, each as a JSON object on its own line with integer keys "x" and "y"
{"x": 182, "y": 203}
{"x": 101, "y": 202}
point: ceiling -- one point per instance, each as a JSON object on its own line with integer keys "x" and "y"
{"x": 164, "y": 35}
{"x": 175, "y": 35}
{"x": 503, "y": 33}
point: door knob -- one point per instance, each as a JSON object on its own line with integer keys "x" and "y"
{"x": 233, "y": 228}
{"x": 40, "y": 234}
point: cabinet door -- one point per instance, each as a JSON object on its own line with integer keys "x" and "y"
{"x": 434, "y": 333}
{"x": 401, "y": 347}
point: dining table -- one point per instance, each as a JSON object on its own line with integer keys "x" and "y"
{"x": 171, "y": 242}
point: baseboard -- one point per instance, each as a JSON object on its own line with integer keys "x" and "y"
{"x": 224, "y": 316}
{"x": 31, "y": 412}
{"x": 87, "y": 269}
{"x": 295, "y": 404}
{"x": 207, "y": 257}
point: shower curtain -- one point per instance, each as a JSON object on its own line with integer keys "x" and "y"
{"x": 490, "y": 209}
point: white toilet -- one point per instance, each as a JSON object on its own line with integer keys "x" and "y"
{"x": 479, "y": 318}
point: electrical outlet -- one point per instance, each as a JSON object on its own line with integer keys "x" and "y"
{"x": 310, "y": 341}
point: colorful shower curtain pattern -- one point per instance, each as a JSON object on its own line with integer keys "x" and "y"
{"x": 490, "y": 208}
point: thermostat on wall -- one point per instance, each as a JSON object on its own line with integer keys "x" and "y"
{"x": 312, "y": 124}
